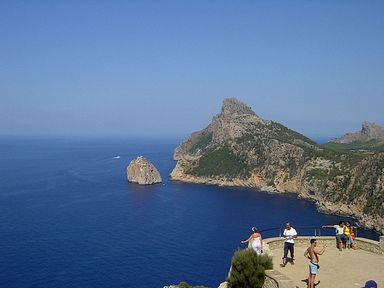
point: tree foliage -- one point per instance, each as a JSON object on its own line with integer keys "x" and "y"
{"x": 248, "y": 269}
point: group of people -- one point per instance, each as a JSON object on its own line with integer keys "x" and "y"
{"x": 344, "y": 236}
{"x": 255, "y": 242}
{"x": 290, "y": 234}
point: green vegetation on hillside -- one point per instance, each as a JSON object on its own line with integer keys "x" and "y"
{"x": 317, "y": 173}
{"x": 372, "y": 207}
{"x": 373, "y": 173}
{"x": 287, "y": 135}
{"x": 220, "y": 162}
{"x": 334, "y": 181}
{"x": 356, "y": 146}
{"x": 200, "y": 141}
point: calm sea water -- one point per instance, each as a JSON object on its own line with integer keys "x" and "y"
{"x": 70, "y": 219}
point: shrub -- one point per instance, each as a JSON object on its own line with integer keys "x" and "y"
{"x": 248, "y": 269}
{"x": 186, "y": 285}
{"x": 201, "y": 142}
{"x": 265, "y": 261}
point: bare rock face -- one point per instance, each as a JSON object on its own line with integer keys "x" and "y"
{"x": 369, "y": 131}
{"x": 143, "y": 172}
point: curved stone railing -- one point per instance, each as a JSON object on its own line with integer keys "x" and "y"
{"x": 376, "y": 247}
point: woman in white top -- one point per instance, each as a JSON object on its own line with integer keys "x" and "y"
{"x": 255, "y": 241}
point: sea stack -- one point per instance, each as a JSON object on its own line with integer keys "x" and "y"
{"x": 143, "y": 172}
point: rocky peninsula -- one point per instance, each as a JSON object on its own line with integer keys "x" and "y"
{"x": 369, "y": 131}
{"x": 239, "y": 148}
{"x": 143, "y": 172}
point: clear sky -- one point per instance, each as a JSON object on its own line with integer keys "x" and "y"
{"x": 164, "y": 67}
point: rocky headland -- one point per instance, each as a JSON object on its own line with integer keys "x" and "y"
{"x": 239, "y": 148}
{"x": 369, "y": 131}
{"x": 143, "y": 172}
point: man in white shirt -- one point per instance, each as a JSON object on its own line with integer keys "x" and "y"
{"x": 290, "y": 234}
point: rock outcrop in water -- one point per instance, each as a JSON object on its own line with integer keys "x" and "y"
{"x": 141, "y": 171}
{"x": 239, "y": 148}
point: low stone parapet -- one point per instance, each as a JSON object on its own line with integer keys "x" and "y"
{"x": 369, "y": 245}
{"x": 373, "y": 246}
{"x": 275, "y": 279}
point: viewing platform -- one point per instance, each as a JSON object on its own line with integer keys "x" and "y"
{"x": 338, "y": 269}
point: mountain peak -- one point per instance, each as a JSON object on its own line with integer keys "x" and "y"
{"x": 369, "y": 131}
{"x": 234, "y": 106}
{"x": 372, "y": 129}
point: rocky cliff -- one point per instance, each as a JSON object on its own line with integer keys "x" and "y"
{"x": 240, "y": 148}
{"x": 141, "y": 171}
{"x": 369, "y": 131}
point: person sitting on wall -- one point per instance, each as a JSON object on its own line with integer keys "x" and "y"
{"x": 340, "y": 237}
{"x": 349, "y": 234}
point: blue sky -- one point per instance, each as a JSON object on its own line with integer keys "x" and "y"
{"x": 164, "y": 67}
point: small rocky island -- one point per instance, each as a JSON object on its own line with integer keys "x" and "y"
{"x": 143, "y": 172}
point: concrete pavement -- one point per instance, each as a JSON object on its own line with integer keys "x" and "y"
{"x": 338, "y": 269}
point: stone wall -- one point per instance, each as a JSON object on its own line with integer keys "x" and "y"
{"x": 270, "y": 282}
{"x": 275, "y": 279}
{"x": 370, "y": 245}
{"x": 302, "y": 241}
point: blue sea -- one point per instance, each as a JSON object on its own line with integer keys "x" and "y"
{"x": 69, "y": 218}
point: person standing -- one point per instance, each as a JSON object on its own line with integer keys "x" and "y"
{"x": 255, "y": 241}
{"x": 313, "y": 255}
{"x": 290, "y": 234}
